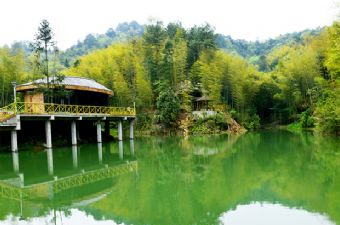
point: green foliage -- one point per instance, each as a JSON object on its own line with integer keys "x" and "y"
{"x": 307, "y": 119}
{"x": 124, "y": 32}
{"x": 12, "y": 69}
{"x": 200, "y": 39}
{"x": 294, "y": 127}
{"x": 164, "y": 69}
{"x": 255, "y": 52}
{"x": 251, "y": 122}
{"x": 211, "y": 124}
{"x": 46, "y": 56}
{"x": 328, "y": 112}
{"x": 42, "y": 44}
{"x": 167, "y": 105}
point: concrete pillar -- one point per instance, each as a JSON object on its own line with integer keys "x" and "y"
{"x": 132, "y": 147}
{"x": 14, "y": 141}
{"x": 120, "y": 130}
{"x": 99, "y": 132}
{"x": 15, "y": 157}
{"x": 100, "y": 153}
{"x": 50, "y": 161}
{"x": 75, "y": 156}
{"x": 48, "y": 134}
{"x": 121, "y": 150}
{"x": 74, "y": 132}
{"x": 131, "y": 129}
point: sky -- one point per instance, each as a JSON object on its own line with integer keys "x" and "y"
{"x": 72, "y": 20}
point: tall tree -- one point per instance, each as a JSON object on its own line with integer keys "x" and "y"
{"x": 200, "y": 39}
{"x": 43, "y": 43}
{"x": 154, "y": 38}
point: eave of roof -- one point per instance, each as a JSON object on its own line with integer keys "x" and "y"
{"x": 70, "y": 83}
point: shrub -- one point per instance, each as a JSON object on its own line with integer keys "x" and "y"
{"x": 307, "y": 119}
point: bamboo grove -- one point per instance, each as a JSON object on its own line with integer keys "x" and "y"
{"x": 296, "y": 82}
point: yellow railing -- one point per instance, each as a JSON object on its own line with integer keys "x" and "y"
{"x": 50, "y": 108}
{"x": 7, "y": 112}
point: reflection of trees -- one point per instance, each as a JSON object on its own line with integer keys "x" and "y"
{"x": 279, "y": 168}
{"x": 39, "y": 194}
{"x": 175, "y": 185}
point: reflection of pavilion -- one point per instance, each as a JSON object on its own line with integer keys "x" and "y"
{"x": 13, "y": 188}
{"x": 69, "y": 186}
{"x": 209, "y": 146}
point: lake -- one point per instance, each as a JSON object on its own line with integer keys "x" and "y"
{"x": 260, "y": 178}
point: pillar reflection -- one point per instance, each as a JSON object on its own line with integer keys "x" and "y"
{"x": 75, "y": 156}
{"x": 15, "y": 157}
{"x": 100, "y": 153}
{"x": 121, "y": 151}
{"x": 50, "y": 161}
{"x": 132, "y": 147}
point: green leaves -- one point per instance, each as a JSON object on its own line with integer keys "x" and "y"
{"x": 167, "y": 105}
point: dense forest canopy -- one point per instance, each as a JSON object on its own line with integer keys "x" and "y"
{"x": 165, "y": 68}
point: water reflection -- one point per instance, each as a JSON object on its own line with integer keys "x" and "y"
{"x": 15, "y": 157}
{"x": 31, "y": 193}
{"x": 75, "y": 156}
{"x": 132, "y": 147}
{"x": 100, "y": 153}
{"x": 50, "y": 168}
{"x": 121, "y": 150}
{"x": 269, "y": 214}
{"x": 199, "y": 180}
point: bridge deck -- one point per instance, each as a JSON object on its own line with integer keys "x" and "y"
{"x": 40, "y": 110}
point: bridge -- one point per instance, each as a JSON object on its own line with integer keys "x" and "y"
{"x": 12, "y": 115}
{"x": 13, "y": 188}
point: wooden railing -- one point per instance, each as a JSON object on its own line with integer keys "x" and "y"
{"x": 16, "y": 108}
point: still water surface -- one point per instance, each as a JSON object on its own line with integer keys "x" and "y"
{"x": 262, "y": 178}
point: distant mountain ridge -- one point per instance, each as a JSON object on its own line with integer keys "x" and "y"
{"x": 250, "y": 50}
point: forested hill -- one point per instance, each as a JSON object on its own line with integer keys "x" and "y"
{"x": 169, "y": 71}
{"x": 123, "y": 32}
{"x": 252, "y": 51}
{"x": 256, "y": 50}
{"x": 248, "y": 49}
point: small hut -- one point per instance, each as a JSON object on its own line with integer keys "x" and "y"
{"x": 80, "y": 91}
{"x": 202, "y": 103}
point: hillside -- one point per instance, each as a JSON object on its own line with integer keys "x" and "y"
{"x": 123, "y": 32}
{"x": 253, "y": 52}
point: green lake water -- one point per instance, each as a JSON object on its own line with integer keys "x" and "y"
{"x": 260, "y": 178}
